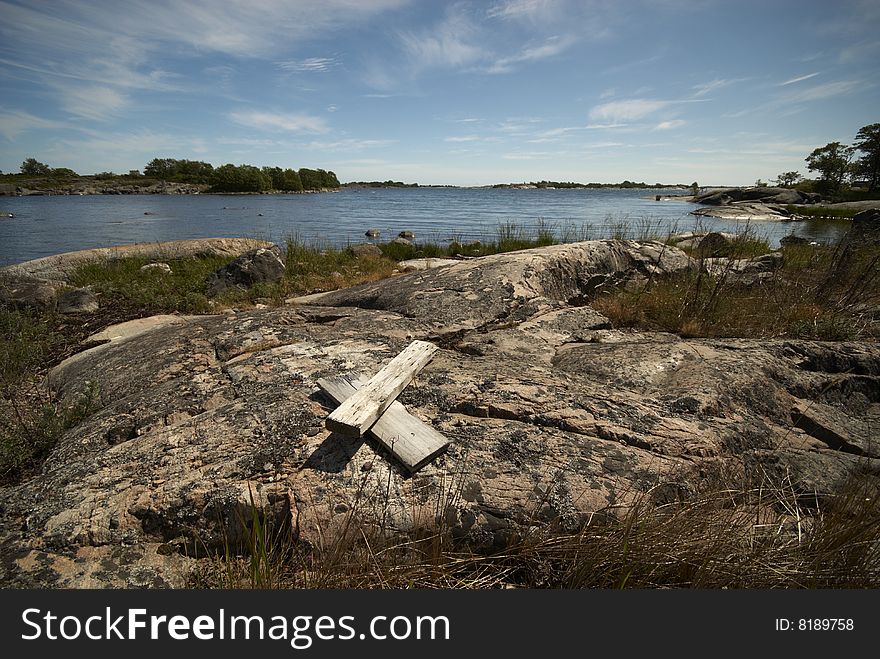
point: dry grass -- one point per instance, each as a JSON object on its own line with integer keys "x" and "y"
{"x": 820, "y": 292}
{"x": 724, "y": 537}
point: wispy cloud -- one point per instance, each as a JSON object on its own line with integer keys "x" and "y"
{"x": 309, "y": 65}
{"x": 348, "y": 144}
{"x": 862, "y": 50}
{"x": 518, "y": 125}
{"x": 554, "y": 46}
{"x": 714, "y": 85}
{"x": 462, "y": 138}
{"x": 289, "y": 122}
{"x": 530, "y": 155}
{"x": 669, "y": 125}
{"x": 519, "y": 9}
{"x": 451, "y": 43}
{"x": 15, "y": 122}
{"x": 828, "y": 90}
{"x": 617, "y": 112}
{"x": 93, "y": 102}
{"x": 619, "y": 68}
{"x": 798, "y": 79}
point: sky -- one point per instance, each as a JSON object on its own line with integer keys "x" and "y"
{"x": 455, "y": 93}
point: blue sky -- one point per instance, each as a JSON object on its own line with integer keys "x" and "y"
{"x": 464, "y": 93}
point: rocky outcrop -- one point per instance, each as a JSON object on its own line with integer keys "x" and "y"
{"x": 744, "y": 210}
{"x": 258, "y": 266}
{"x": 60, "y": 266}
{"x": 766, "y": 195}
{"x": 363, "y": 250}
{"x": 865, "y": 229}
{"x": 758, "y": 203}
{"x": 493, "y": 290}
{"x": 28, "y": 293}
{"x": 554, "y": 418}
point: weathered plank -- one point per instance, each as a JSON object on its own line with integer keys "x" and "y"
{"x": 413, "y": 442}
{"x": 363, "y": 408}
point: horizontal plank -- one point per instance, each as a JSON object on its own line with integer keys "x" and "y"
{"x": 363, "y": 408}
{"x": 413, "y": 442}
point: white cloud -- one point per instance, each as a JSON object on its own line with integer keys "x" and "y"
{"x": 451, "y": 43}
{"x": 291, "y": 122}
{"x": 530, "y": 155}
{"x": 519, "y": 9}
{"x": 347, "y": 144}
{"x": 798, "y": 79}
{"x": 713, "y": 85}
{"x": 92, "y": 102}
{"x": 15, "y": 122}
{"x": 309, "y": 65}
{"x": 617, "y": 112}
{"x": 462, "y": 138}
{"x": 828, "y": 90}
{"x": 669, "y": 125}
{"x": 551, "y": 48}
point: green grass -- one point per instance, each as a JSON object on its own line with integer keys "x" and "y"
{"x": 121, "y": 281}
{"x": 31, "y": 420}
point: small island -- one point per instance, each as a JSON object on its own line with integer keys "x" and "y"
{"x": 167, "y": 176}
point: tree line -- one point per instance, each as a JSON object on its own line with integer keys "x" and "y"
{"x": 840, "y": 164}
{"x": 226, "y": 178}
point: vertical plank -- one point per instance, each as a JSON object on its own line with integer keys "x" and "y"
{"x": 363, "y": 408}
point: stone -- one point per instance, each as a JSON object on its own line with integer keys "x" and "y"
{"x": 59, "y": 266}
{"x": 725, "y": 196}
{"x": 505, "y": 287}
{"x": 712, "y": 243}
{"x": 77, "y": 300}
{"x": 791, "y": 239}
{"x": 372, "y": 233}
{"x": 402, "y": 241}
{"x": 865, "y": 229}
{"x": 364, "y": 250}
{"x": 748, "y": 271}
{"x": 744, "y": 210}
{"x": 409, "y": 235}
{"x": 259, "y": 266}
{"x": 28, "y": 293}
{"x": 411, "y": 265}
{"x": 554, "y": 419}
{"x": 162, "y": 268}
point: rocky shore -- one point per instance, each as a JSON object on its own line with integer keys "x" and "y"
{"x": 96, "y": 187}
{"x": 554, "y": 418}
{"x": 758, "y": 203}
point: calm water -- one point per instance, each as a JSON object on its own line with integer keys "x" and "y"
{"x": 48, "y": 225}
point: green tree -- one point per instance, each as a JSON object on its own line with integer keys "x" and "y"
{"x": 292, "y": 182}
{"x": 33, "y": 167}
{"x": 241, "y": 178}
{"x": 181, "y": 171}
{"x": 868, "y": 142}
{"x": 787, "y": 179}
{"x": 61, "y": 172}
{"x": 160, "y": 168}
{"x": 328, "y": 179}
{"x": 311, "y": 178}
{"x": 276, "y": 176}
{"x": 832, "y": 163}
{"x": 760, "y": 184}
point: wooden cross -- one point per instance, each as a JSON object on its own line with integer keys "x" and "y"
{"x": 370, "y": 407}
